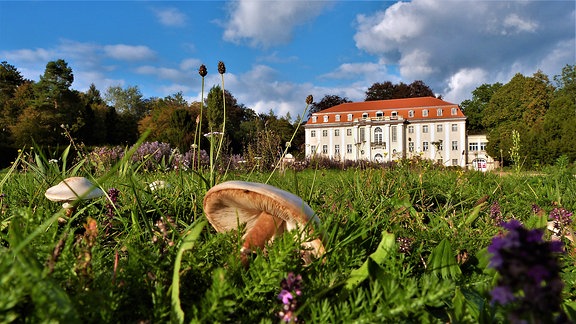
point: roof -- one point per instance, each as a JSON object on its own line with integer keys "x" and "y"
{"x": 407, "y": 108}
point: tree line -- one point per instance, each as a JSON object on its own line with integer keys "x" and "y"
{"x": 50, "y": 113}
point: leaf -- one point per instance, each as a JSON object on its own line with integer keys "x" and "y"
{"x": 442, "y": 262}
{"x": 378, "y": 257}
{"x": 473, "y": 215}
{"x": 187, "y": 243}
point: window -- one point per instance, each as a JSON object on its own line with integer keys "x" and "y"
{"x": 362, "y": 135}
{"x": 324, "y": 149}
{"x": 440, "y": 145}
{"x": 349, "y": 132}
{"x": 349, "y": 148}
{"x": 454, "y": 127}
{"x": 454, "y": 162}
{"x": 314, "y": 118}
{"x": 425, "y": 113}
{"x": 424, "y": 128}
{"x": 410, "y": 146}
{"x": 424, "y": 146}
{"x": 336, "y": 132}
{"x": 394, "y": 115}
{"x": 313, "y": 149}
{"x": 473, "y": 147}
{"x": 454, "y": 111}
{"x": 337, "y": 118}
{"x": 349, "y": 117}
{"x": 483, "y": 146}
{"x": 454, "y": 145}
{"x": 439, "y": 128}
{"x": 325, "y": 119}
{"x": 364, "y": 116}
{"x": 393, "y": 133}
{"x": 337, "y": 149}
{"x": 324, "y": 132}
{"x": 411, "y": 129}
{"x": 440, "y": 161}
{"x": 379, "y": 114}
{"x": 378, "y": 135}
{"x": 439, "y": 112}
{"x": 312, "y": 133}
{"x": 411, "y": 113}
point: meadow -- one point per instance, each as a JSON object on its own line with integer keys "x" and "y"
{"x": 410, "y": 242}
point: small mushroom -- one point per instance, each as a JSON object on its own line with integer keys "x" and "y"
{"x": 71, "y": 190}
{"x": 267, "y": 212}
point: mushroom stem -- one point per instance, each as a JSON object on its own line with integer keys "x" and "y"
{"x": 263, "y": 230}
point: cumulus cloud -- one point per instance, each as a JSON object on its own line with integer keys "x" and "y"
{"x": 268, "y": 23}
{"x": 440, "y": 42}
{"x": 170, "y": 17}
{"x": 129, "y": 52}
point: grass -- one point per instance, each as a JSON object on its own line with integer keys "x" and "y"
{"x": 403, "y": 244}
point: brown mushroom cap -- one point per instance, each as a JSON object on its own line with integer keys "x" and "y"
{"x": 232, "y": 203}
{"x": 72, "y": 189}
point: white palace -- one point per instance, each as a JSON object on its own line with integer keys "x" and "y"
{"x": 386, "y": 130}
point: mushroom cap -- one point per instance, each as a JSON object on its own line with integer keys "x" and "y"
{"x": 74, "y": 188}
{"x": 231, "y": 203}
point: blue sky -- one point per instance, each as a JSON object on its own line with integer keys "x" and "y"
{"x": 278, "y": 52}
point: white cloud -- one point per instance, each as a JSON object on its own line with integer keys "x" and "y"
{"x": 29, "y": 55}
{"x": 170, "y": 17}
{"x": 129, "y": 52}
{"x": 437, "y": 41}
{"x": 268, "y": 23}
{"x": 462, "y": 83}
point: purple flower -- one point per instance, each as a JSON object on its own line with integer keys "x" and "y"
{"x": 291, "y": 287}
{"x": 561, "y": 217}
{"x": 502, "y": 295}
{"x": 529, "y": 283}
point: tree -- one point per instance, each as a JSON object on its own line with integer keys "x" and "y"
{"x": 126, "y": 101}
{"x": 10, "y": 80}
{"x": 327, "y": 101}
{"x": 474, "y": 108}
{"x": 519, "y": 105}
{"x": 387, "y": 90}
{"x": 55, "y": 82}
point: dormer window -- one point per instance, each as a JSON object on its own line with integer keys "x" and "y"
{"x": 394, "y": 115}
{"x": 325, "y": 118}
{"x": 337, "y": 118}
{"x": 439, "y": 112}
{"x": 314, "y": 119}
{"x": 379, "y": 114}
{"x": 411, "y": 113}
{"x": 364, "y": 116}
{"x": 349, "y": 117}
{"x": 454, "y": 111}
{"x": 425, "y": 113}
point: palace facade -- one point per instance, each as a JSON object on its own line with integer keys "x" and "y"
{"x": 386, "y": 130}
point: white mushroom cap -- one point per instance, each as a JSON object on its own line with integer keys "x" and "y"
{"x": 231, "y": 203}
{"x": 72, "y": 189}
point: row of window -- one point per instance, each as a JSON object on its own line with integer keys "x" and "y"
{"x": 378, "y": 131}
{"x": 475, "y": 146}
{"x": 380, "y": 115}
{"x": 425, "y": 147}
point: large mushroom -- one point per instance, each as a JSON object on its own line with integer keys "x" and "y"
{"x": 71, "y": 190}
{"x": 267, "y": 212}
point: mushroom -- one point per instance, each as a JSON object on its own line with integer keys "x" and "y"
{"x": 267, "y": 212}
{"x": 71, "y": 190}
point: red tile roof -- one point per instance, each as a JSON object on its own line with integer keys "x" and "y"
{"x": 400, "y": 106}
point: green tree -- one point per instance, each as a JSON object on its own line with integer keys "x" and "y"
{"x": 10, "y": 80}
{"x": 127, "y": 101}
{"x": 474, "y": 108}
{"x": 388, "y": 90}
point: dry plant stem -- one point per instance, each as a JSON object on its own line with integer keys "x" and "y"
{"x": 264, "y": 229}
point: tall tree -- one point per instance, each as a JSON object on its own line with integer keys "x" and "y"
{"x": 10, "y": 80}
{"x": 387, "y": 90}
{"x": 474, "y": 108}
{"x": 127, "y": 101}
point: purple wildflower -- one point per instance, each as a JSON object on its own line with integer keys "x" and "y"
{"x": 529, "y": 283}
{"x": 496, "y": 213}
{"x": 111, "y": 207}
{"x": 291, "y": 287}
{"x": 561, "y": 216}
